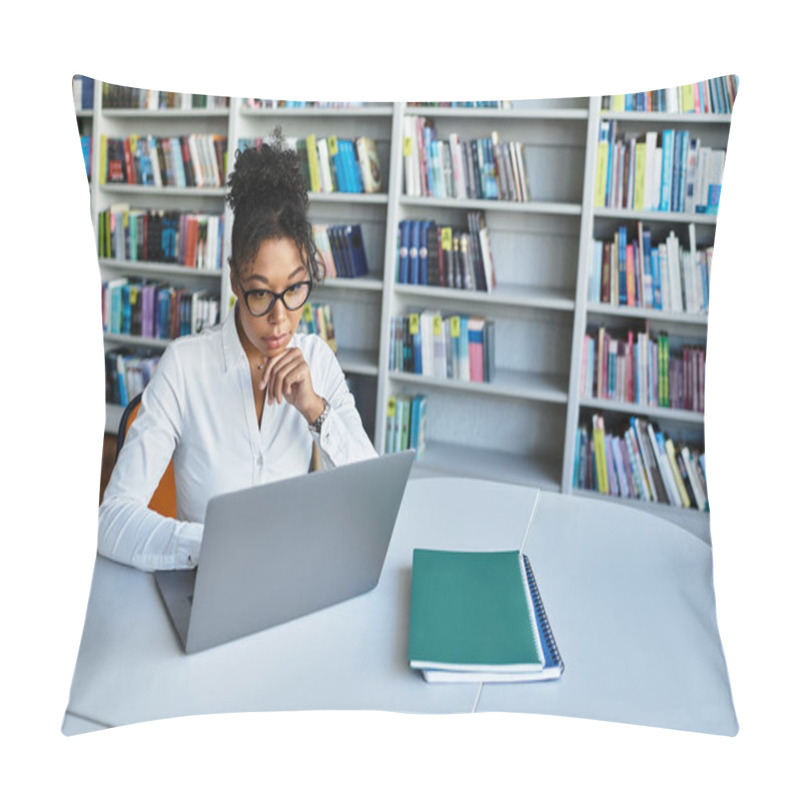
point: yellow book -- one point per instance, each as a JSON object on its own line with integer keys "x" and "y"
{"x": 313, "y": 162}
{"x": 103, "y": 158}
{"x": 687, "y": 98}
{"x": 600, "y": 175}
{"x": 598, "y": 434}
{"x": 640, "y": 170}
{"x": 617, "y": 102}
{"x": 676, "y": 471}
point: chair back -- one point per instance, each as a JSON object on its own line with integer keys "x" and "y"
{"x": 163, "y": 500}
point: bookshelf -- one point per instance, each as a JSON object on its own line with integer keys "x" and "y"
{"x": 522, "y": 426}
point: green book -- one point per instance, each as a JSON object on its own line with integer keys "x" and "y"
{"x": 477, "y": 616}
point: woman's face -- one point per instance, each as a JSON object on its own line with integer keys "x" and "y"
{"x": 276, "y": 267}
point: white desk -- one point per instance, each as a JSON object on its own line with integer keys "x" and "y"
{"x": 629, "y": 597}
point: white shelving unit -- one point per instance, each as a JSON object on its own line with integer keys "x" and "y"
{"x": 521, "y": 427}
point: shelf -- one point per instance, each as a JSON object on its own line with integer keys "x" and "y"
{"x": 647, "y": 313}
{"x": 471, "y": 204}
{"x": 658, "y": 412}
{"x": 655, "y": 216}
{"x": 161, "y": 113}
{"x": 350, "y": 197}
{"x": 176, "y": 191}
{"x": 690, "y": 519}
{"x": 84, "y": 113}
{"x": 665, "y": 116}
{"x": 135, "y": 341}
{"x": 159, "y": 268}
{"x": 354, "y": 111}
{"x": 372, "y": 283}
{"x": 508, "y": 383}
{"x": 358, "y": 362}
{"x": 458, "y": 460}
{"x": 498, "y": 113}
{"x": 502, "y": 295}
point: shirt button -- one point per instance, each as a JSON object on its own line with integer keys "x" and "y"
{"x": 259, "y": 461}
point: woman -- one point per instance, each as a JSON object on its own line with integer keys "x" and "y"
{"x": 243, "y": 402}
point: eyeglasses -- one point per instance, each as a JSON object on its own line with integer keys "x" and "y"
{"x": 261, "y": 301}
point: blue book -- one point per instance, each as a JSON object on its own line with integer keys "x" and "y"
{"x": 428, "y": 134}
{"x": 416, "y": 346}
{"x": 623, "y": 274}
{"x": 86, "y": 143}
{"x": 358, "y": 256}
{"x": 611, "y": 133}
{"x": 413, "y": 253}
{"x": 422, "y": 249}
{"x": 685, "y": 145}
{"x": 656, "y": 268}
{"x": 346, "y": 167}
{"x": 177, "y": 155}
{"x": 667, "y": 158}
{"x": 414, "y": 436}
{"x": 648, "y": 268}
{"x": 405, "y": 243}
{"x": 355, "y": 170}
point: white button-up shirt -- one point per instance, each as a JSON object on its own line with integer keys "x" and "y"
{"x": 199, "y": 411}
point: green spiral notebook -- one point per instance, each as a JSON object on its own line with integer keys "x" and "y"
{"x": 478, "y": 616}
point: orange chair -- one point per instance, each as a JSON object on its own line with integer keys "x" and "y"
{"x": 163, "y": 499}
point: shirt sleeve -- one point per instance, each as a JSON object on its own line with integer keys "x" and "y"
{"x": 342, "y": 438}
{"x": 129, "y": 531}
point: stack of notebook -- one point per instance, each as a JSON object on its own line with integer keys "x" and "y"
{"x": 479, "y": 617}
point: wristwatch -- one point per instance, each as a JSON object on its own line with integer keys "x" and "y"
{"x": 316, "y": 426}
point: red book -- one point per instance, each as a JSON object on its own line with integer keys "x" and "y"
{"x": 130, "y": 174}
{"x": 630, "y": 295}
{"x": 191, "y": 241}
{"x": 605, "y": 288}
{"x": 475, "y": 328}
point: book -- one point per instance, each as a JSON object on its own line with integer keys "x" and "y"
{"x": 369, "y": 164}
{"x": 479, "y": 617}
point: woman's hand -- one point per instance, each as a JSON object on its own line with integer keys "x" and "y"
{"x": 287, "y": 377}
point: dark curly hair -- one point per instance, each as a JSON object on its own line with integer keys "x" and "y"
{"x": 269, "y": 200}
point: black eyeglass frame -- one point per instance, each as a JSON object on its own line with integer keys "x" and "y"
{"x": 277, "y": 297}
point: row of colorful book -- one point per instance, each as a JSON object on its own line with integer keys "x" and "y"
{"x": 116, "y": 96}
{"x": 458, "y": 347}
{"x": 714, "y": 96}
{"x": 639, "y": 462}
{"x": 637, "y": 272}
{"x": 341, "y": 249}
{"x": 156, "y": 310}
{"x": 332, "y": 164}
{"x": 186, "y": 239}
{"x": 194, "y": 160}
{"x": 318, "y": 318}
{"x": 461, "y": 104}
{"x": 258, "y": 102}
{"x": 483, "y": 168}
{"x": 128, "y": 371}
{"x": 638, "y": 368}
{"x": 667, "y": 171}
{"x": 83, "y": 92}
{"x": 429, "y": 254}
{"x": 406, "y": 424}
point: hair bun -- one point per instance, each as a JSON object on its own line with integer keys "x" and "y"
{"x": 267, "y": 177}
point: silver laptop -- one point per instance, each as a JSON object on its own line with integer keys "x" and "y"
{"x": 275, "y": 552}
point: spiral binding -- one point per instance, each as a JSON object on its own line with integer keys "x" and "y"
{"x": 541, "y": 616}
